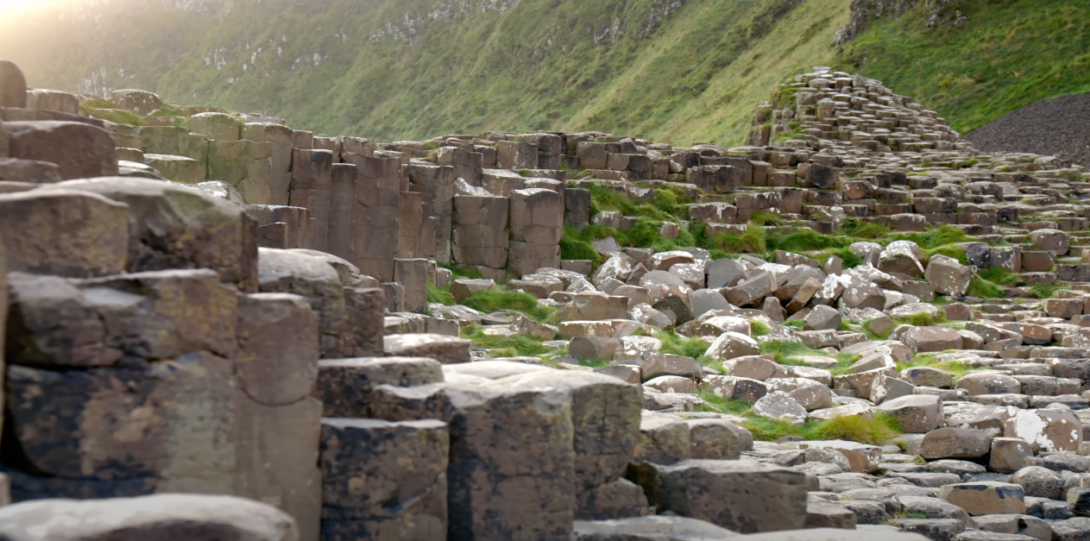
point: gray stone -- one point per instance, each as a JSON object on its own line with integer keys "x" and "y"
{"x": 917, "y": 414}
{"x": 165, "y": 517}
{"x": 384, "y": 480}
{"x": 650, "y": 528}
{"x": 445, "y": 349}
{"x": 743, "y": 496}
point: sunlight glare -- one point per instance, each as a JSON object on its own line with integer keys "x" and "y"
{"x": 14, "y": 8}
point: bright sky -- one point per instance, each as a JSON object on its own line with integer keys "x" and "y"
{"x": 10, "y": 8}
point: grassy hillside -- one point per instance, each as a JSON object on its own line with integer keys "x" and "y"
{"x": 675, "y": 70}
{"x": 1007, "y": 54}
{"x": 679, "y": 71}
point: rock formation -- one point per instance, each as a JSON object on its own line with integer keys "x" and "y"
{"x": 212, "y": 304}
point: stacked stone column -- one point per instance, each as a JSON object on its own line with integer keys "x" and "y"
{"x": 311, "y": 182}
{"x": 279, "y": 138}
{"x": 245, "y": 164}
{"x": 378, "y": 193}
{"x": 436, "y": 184}
{"x": 342, "y": 212}
{"x": 480, "y": 238}
{"x": 537, "y": 223}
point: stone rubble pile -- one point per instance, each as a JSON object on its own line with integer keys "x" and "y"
{"x": 265, "y": 333}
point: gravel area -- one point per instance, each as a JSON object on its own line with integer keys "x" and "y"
{"x": 1059, "y": 127}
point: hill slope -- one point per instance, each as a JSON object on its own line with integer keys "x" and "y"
{"x": 679, "y": 70}
{"x": 670, "y": 70}
{"x": 974, "y": 61}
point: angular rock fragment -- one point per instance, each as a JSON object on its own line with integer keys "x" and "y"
{"x": 742, "y": 496}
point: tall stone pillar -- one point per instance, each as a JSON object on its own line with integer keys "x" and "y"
{"x": 311, "y": 180}
{"x": 412, "y": 223}
{"x": 480, "y": 233}
{"x": 378, "y": 183}
{"x": 277, "y": 422}
{"x": 412, "y": 274}
{"x": 537, "y": 223}
{"x": 279, "y": 139}
{"x": 342, "y": 211}
{"x": 437, "y": 185}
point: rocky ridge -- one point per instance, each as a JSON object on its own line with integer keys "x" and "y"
{"x": 263, "y": 325}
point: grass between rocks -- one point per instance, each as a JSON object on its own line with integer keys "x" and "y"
{"x": 1045, "y": 292}
{"x": 675, "y": 344}
{"x": 575, "y": 245}
{"x": 757, "y": 240}
{"x": 440, "y": 296}
{"x": 851, "y": 428}
{"x": 985, "y": 289}
{"x": 956, "y": 369}
{"x": 787, "y": 352}
{"x": 988, "y": 284}
{"x": 920, "y": 320}
{"x": 759, "y": 328}
{"x": 499, "y": 299}
{"x": 871, "y": 335}
{"x": 502, "y": 346}
{"x": 462, "y": 272}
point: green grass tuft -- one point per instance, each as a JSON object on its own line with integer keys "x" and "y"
{"x": 498, "y": 299}
{"x": 956, "y": 369}
{"x": 753, "y": 241}
{"x": 574, "y": 245}
{"x": 1002, "y": 277}
{"x": 436, "y": 295}
{"x": 463, "y": 272}
{"x": 760, "y": 219}
{"x": 984, "y": 289}
{"x": 785, "y": 351}
{"x": 935, "y": 238}
{"x": 1045, "y": 292}
{"x": 920, "y": 320}
{"x": 676, "y": 344}
{"x": 518, "y": 346}
{"x": 854, "y": 428}
{"x": 759, "y": 328}
{"x": 861, "y": 230}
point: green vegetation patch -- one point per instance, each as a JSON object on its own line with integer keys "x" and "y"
{"x": 851, "y": 428}
{"x": 1004, "y": 55}
{"x": 786, "y": 351}
{"x": 675, "y": 344}
{"x": 759, "y": 328}
{"x": 956, "y": 369}
{"x": 117, "y": 116}
{"x": 436, "y": 295}
{"x": 463, "y": 272}
{"x": 498, "y": 299}
{"x": 503, "y": 346}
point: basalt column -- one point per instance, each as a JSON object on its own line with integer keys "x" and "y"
{"x": 311, "y": 180}
{"x": 378, "y": 193}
